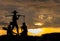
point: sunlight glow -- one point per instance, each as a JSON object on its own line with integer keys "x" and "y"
{"x": 39, "y": 24}
{"x": 35, "y": 31}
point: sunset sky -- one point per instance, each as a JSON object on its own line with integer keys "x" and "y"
{"x": 38, "y": 13}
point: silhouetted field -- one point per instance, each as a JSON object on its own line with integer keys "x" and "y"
{"x": 18, "y": 38}
{"x": 50, "y": 37}
{"x": 45, "y": 37}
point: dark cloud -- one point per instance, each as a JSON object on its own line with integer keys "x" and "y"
{"x": 43, "y": 0}
{"x": 8, "y": 7}
{"x": 30, "y": 0}
{"x": 56, "y": 20}
{"x": 57, "y": 10}
{"x": 3, "y": 23}
{"x": 57, "y": 1}
{"x": 31, "y": 9}
{"x": 1, "y": 17}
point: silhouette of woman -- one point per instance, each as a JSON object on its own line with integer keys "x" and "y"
{"x": 24, "y": 28}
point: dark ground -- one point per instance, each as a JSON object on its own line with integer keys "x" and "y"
{"x": 45, "y": 37}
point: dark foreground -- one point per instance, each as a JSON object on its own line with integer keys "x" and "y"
{"x": 18, "y": 38}
{"x": 46, "y": 37}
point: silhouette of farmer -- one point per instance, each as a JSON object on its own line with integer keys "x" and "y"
{"x": 14, "y": 21}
